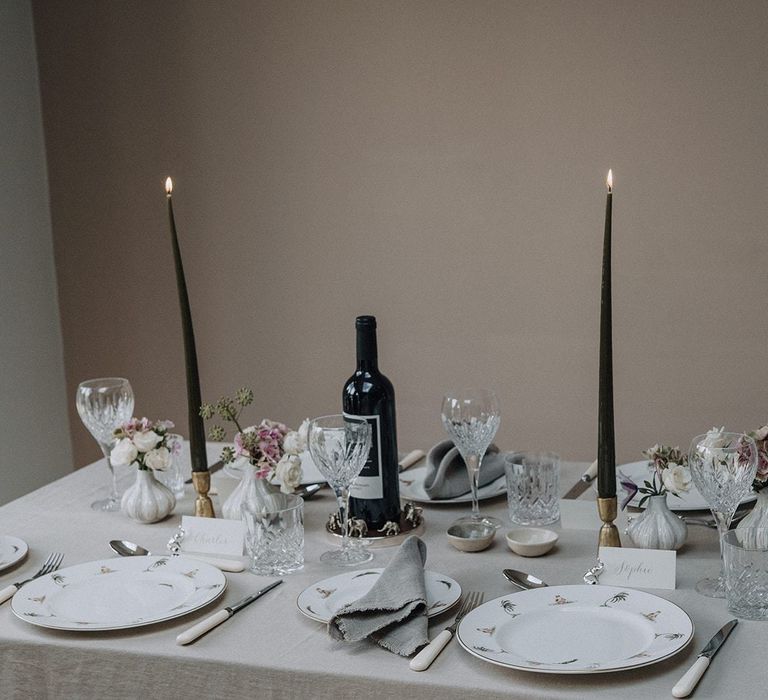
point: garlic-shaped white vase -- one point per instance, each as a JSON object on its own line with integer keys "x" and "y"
{"x": 147, "y": 501}
{"x": 253, "y": 490}
{"x": 757, "y": 518}
{"x": 657, "y": 527}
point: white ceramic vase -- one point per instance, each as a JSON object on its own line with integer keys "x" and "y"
{"x": 657, "y": 527}
{"x": 147, "y": 501}
{"x": 253, "y": 490}
{"x": 758, "y": 517}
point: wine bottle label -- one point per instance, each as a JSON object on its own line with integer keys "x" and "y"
{"x": 368, "y": 484}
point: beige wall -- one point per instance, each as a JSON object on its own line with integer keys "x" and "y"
{"x": 438, "y": 164}
{"x": 34, "y": 432}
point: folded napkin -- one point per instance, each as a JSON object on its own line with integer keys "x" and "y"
{"x": 447, "y": 474}
{"x": 394, "y": 612}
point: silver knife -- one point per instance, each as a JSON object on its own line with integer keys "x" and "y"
{"x": 217, "y": 618}
{"x": 583, "y": 483}
{"x": 684, "y": 687}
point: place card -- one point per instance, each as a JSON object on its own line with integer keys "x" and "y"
{"x": 638, "y": 568}
{"x": 212, "y": 536}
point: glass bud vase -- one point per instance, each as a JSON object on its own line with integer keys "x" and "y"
{"x": 657, "y": 527}
{"x": 147, "y": 501}
{"x": 757, "y": 518}
{"x": 255, "y": 491}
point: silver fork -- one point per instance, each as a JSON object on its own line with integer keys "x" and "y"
{"x": 423, "y": 660}
{"x": 52, "y": 563}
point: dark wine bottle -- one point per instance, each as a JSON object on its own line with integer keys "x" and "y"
{"x": 368, "y": 395}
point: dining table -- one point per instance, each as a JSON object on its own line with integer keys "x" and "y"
{"x": 271, "y": 651}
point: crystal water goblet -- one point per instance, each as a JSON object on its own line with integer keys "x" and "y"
{"x": 723, "y": 466}
{"x": 103, "y": 405}
{"x": 471, "y": 419}
{"x": 339, "y": 448}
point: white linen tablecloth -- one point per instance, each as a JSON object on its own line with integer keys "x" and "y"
{"x": 270, "y": 651}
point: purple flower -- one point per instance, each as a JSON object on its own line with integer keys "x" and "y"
{"x": 629, "y": 486}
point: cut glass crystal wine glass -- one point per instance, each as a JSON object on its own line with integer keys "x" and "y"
{"x": 471, "y": 419}
{"x": 339, "y": 448}
{"x": 103, "y": 405}
{"x": 723, "y": 466}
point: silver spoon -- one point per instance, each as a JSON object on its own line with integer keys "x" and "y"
{"x": 523, "y": 580}
{"x": 126, "y": 548}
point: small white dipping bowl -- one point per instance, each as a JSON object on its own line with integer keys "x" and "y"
{"x": 469, "y": 539}
{"x": 531, "y": 541}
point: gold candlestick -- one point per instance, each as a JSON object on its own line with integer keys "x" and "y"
{"x": 203, "y": 504}
{"x": 607, "y": 508}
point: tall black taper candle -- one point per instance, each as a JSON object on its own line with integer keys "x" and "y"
{"x": 194, "y": 401}
{"x": 606, "y": 445}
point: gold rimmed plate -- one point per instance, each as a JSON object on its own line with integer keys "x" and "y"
{"x": 121, "y": 593}
{"x": 323, "y": 599}
{"x": 576, "y": 629}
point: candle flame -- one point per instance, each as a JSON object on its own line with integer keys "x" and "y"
{"x": 168, "y": 186}
{"x": 608, "y": 180}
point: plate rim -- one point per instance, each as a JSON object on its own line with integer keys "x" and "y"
{"x": 39, "y": 622}
{"x": 379, "y": 569}
{"x": 576, "y": 672}
{"x": 23, "y": 549}
{"x": 463, "y": 498}
{"x": 675, "y": 508}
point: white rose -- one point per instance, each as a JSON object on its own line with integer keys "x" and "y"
{"x": 123, "y": 453}
{"x": 304, "y": 431}
{"x": 158, "y": 459}
{"x": 146, "y": 440}
{"x": 293, "y": 443}
{"x": 676, "y": 478}
{"x": 714, "y": 438}
{"x": 761, "y": 433}
{"x": 288, "y": 470}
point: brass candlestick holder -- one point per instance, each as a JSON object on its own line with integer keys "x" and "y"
{"x": 607, "y": 508}
{"x": 203, "y": 503}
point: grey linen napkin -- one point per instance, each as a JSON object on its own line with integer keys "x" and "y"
{"x": 447, "y": 474}
{"x": 394, "y": 612}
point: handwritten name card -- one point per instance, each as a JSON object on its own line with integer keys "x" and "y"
{"x": 638, "y": 568}
{"x": 212, "y": 536}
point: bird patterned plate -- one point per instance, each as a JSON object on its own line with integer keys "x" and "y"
{"x": 576, "y": 629}
{"x": 412, "y": 489}
{"x": 12, "y": 551}
{"x": 322, "y": 600}
{"x": 120, "y": 593}
{"x": 691, "y": 499}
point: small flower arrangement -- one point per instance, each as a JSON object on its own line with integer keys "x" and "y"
{"x": 670, "y": 475}
{"x": 760, "y": 436}
{"x": 148, "y": 444}
{"x": 269, "y": 446}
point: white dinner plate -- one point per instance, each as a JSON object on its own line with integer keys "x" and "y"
{"x": 12, "y": 551}
{"x": 310, "y": 474}
{"x": 412, "y": 488}
{"x": 114, "y": 594}
{"x": 321, "y": 600}
{"x": 688, "y": 500}
{"x": 576, "y": 629}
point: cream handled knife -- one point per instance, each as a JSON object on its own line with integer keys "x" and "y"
{"x": 413, "y": 457}
{"x": 217, "y": 618}
{"x": 684, "y": 687}
{"x": 583, "y": 483}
